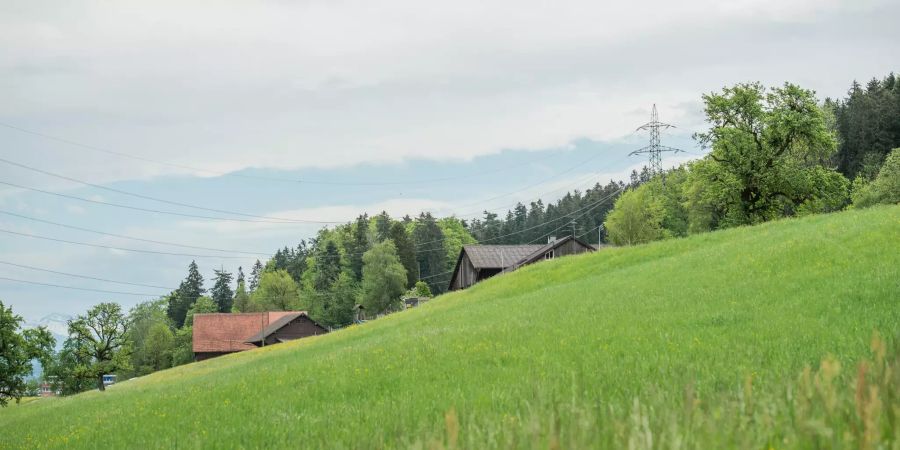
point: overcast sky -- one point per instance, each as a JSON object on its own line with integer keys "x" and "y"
{"x": 492, "y": 96}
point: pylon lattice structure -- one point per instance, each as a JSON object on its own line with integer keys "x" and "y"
{"x": 654, "y": 149}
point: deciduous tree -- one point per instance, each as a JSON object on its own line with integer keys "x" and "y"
{"x": 764, "y": 145}
{"x": 384, "y": 278}
{"x": 100, "y": 342}
{"x": 277, "y": 291}
{"x": 17, "y": 349}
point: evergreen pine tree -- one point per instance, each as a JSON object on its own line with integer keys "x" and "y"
{"x": 382, "y": 227}
{"x": 406, "y": 251}
{"x": 190, "y": 289}
{"x": 241, "y": 301}
{"x": 328, "y": 267}
{"x": 430, "y": 254}
{"x": 358, "y": 245}
{"x": 221, "y": 292}
{"x": 255, "y": 274}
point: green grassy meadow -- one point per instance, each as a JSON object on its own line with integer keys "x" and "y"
{"x": 745, "y": 338}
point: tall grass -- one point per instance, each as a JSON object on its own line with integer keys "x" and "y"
{"x": 823, "y": 407}
{"x": 688, "y": 343}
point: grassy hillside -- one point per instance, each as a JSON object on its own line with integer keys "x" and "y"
{"x": 696, "y": 342}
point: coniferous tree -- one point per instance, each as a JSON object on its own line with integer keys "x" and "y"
{"x": 328, "y": 267}
{"x": 430, "y": 253}
{"x": 241, "y": 298}
{"x": 406, "y": 251}
{"x": 382, "y": 227}
{"x": 358, "y": 245}
{"x": 255, "y": 273}
{"x": 184, "y": 297}
{"x": 868, "y": 125}
{"x": 221, "y": 292}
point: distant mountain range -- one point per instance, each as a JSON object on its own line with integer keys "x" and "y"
{"x": 56, "y": 323}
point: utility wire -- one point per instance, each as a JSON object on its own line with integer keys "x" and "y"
{"x": 156, "y": 199}
{"x": 150, "y": 210}
{"x": 87, "y": 277}
{"x": 89, "y": 230}
{"x": 77, "y": 288}
{"x": 35, "y": 236}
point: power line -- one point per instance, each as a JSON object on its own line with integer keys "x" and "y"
{"x": 109, "y": 247}
{"x": 89, "y": 230}
{"x": 78, "y": 288}
{"x": 87, "y": 277}
{"x": 156, "y": 199}
{"x": 150, "y": 210}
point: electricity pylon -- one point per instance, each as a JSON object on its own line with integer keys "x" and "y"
{"x": 655, "y": 149}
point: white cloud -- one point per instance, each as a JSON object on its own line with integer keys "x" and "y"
{"x": 280, "y": 84}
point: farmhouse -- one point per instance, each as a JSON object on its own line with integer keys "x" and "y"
{"x": 478, "y": 262}
{"x": 219, "y": 334}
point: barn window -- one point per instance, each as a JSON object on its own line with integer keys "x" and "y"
{"x": 548, "y": 255}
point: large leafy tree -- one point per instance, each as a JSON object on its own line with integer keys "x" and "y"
{"x": 456, "y": 235}
{"x": 158, "y": 347}
{"x": 221, "y": 292}
{"x": 384, "y": 278}
{"x": 277, "y": 291}
{"x": 66, "y": 370}
{"x": 203, "y": 305}
{"x": 885, "y": 188}
{"x": 17, "y": 349}
{"x": 100, "y": 342}
{"x": 764, "y": 144}
{"x": 147, "y": 320}
{"x": 184, "y": 297}
{"x": 636, "y": 218}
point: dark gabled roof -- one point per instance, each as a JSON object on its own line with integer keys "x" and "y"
{"x": 539, "y": 253}
{"x": 508, "y": 256}
{"x": 498, "y": 256}
{"x": 277, "y": 325}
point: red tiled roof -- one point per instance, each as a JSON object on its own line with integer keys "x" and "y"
{"x": 222, "y": 332}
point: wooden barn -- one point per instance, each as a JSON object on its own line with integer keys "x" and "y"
{"x": 219, "y": 334}
{"x": 478, "y": 262}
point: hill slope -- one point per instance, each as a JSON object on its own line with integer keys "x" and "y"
{"x": 555, "y": 352}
